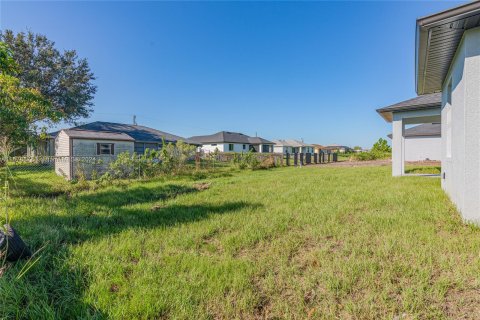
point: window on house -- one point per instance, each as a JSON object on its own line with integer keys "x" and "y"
{"x": 265, "y": 148}
{"x": 244, "y": 146}
{"x": 105, "y": 149}
{"x": 139, "y": 147}
{"x": 230, "y": 147}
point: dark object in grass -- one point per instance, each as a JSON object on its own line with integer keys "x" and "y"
{"x": 15, "y": 248}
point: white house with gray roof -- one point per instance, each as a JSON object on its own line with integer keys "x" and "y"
{"x": 448, "y": 61}
{"x": 422, "y": 142}
{"x": 226, "y": 141}
{"x": 419, "y": 110}
{"x": 292, "y": 146}
{"x": 447, "y": 80}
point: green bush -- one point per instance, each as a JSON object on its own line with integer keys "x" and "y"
{"x": 123, "y": 167}
{"x": 371, "y": 155}
{"x": 250, "y": 160}
{"x": 171, "y": 159}
{"x": 380, "y": 150}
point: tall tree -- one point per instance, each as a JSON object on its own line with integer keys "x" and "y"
{"x": 20, "y": 108}
{"x": 381, "y": 146}
{"x": 61, "y": 77}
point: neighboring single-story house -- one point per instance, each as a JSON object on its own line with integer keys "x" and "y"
{"x": 337, "y": 148}
{"x": 448, "y": 61}
{"x": 422, "y": 142}
{"x": 317, "y": 148}
{"x": 43, "y": 147}
{"x": 292, "y": 146}
{"x": 77, "y": 147}
{"x": 225, "y": 141}
{"x": 80, "y": 152}
{"x": 144, "y": 137}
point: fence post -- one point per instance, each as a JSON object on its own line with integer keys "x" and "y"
{"x": 335, "y": 157}
{"x": 315, "y": 158}
{"x": 301, "y": 159}
{"x": 288, "y": 159}
{"x": 197, "y": 161}
{"x": 295, "y": 159}
{"x": 308, "y": 158}
{"x": 328, "y": 155}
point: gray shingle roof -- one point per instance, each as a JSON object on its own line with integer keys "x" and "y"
{"x": 138, "y": 133}
{"x": 426, "y": 101}
{"x": 291, "y": 143}
{"x": 96, "y": 135}
{"x": 336, "y": 147}
{"x": 258, "y": 140}
{"x": 229, "y": 137}
{"x": 423, "y": 130}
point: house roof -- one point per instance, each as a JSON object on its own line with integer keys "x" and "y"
{"x": 423, "y": 130}
{"x": 318, "y": 146}
{"x": 258, "y": 140}
{"x": 96, "y": 135}
{"x": 53, "y": 135}
{"x": 335, "y": 146}
{"x": 426, "y": 101}
{"x": 291, "y": 143}
{"x": 138, "y": 133}
{"x": 437, "y": 39}
{"x": 229, "y": 137}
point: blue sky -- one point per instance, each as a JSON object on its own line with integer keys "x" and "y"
{"x": 311, "y": 70}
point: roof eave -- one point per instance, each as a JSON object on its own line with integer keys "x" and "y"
{"x": 387, "y": 113}
{"x": 424, "y": 26}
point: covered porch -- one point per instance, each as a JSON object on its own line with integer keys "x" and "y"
{"x": 419, "y": 110}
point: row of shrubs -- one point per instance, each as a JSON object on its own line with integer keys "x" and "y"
{"x": 371, "y": 155}
{"x": 181, "y": 158}
{"x": 251, "y": 161}
{"x": 380, "y": 150}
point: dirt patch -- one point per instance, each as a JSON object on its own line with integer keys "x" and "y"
{"x": 202, "y": 186}
{"x": 463, "y": 304}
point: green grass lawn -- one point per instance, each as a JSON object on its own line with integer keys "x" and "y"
{"x": 297, "y": 243}
{"x": 416, "y": 169}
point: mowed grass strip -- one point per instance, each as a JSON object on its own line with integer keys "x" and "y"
{"x": 295, "y": 243}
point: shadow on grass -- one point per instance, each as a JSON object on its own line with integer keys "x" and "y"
{"x": 423, "y": 169}
{"x": 108, "y": 212}
{"x": 93, "y": 216}
{"x": 36, "y": 182}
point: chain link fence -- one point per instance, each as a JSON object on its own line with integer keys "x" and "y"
{"x": 141, "y": 166}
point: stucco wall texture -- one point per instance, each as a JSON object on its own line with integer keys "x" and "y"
{"x": 461, "y": 128}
